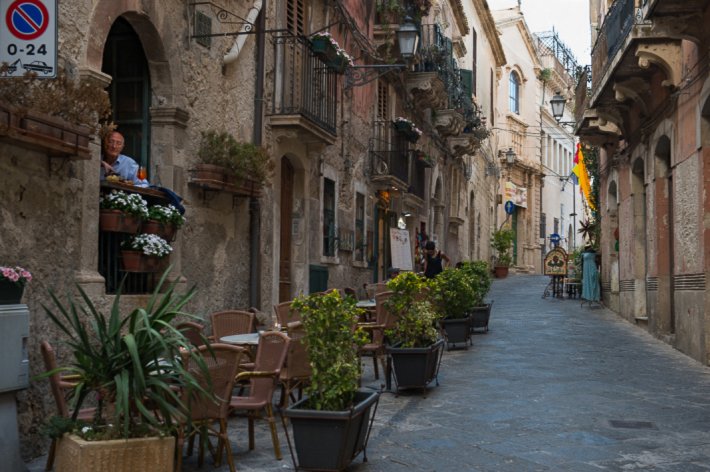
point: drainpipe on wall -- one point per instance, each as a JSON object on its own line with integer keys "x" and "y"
{"x": 233, "y": 53}
{"x": 254, "y": 206}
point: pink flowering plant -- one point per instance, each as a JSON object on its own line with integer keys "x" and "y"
{"x": 16, "y": 275}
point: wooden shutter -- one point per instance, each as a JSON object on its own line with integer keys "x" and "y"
{"x": 382, "y": 102}
{"x": 296, "y": 17}
{"x": 467, "y": 81}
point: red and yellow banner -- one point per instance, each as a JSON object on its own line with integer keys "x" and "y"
{"x": 580, "y": 170}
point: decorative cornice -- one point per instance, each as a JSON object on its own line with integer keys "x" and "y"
{"x": 460, "y": 16}
{"x": 170, "y": 116}
{"x": 491, "y": 33}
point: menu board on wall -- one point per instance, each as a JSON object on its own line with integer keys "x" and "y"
{"x": 401, "y": 246}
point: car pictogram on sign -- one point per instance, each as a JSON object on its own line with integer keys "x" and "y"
{"x": 38, "y": 66}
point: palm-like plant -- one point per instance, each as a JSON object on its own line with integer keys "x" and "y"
{"x": 589, "y": 229}
{"x": 132, "y": 362}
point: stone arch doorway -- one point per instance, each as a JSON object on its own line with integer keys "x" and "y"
{"x": 639, "y": 262}
{"x": 663, "y": 209}
{"x": 130, "y": 90}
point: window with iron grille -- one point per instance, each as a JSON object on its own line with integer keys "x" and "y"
{"x": 328, "y": 217}
{"x": 360, "y": 243}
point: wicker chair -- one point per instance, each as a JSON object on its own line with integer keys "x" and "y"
{"x": 222, "y": 362}
{"x": 376, "y": 347}
{"x": 270, "y": 357}
{"x": 296, "y": 372}
{"x": 226, "y": 323}
{"x": 193, "y": 332}
{"x": 284, "y": 314}
{"x": 60, "y": 387}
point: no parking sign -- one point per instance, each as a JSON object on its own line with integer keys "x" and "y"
{"x": 28, "y": 37}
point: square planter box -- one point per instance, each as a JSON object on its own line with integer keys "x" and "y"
{"x": 457, "y": 331}
{"x": 330, "y": 440}
{"x": 480, "y": 316}
{"x": 155, "y": 454}
{"x": 416, "y": 367}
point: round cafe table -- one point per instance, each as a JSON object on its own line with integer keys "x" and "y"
{"x": 250, "y": 339}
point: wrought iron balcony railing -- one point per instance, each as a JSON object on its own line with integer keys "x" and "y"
{"x": 303, "y": 84}
{"x": 389, "y": 151}
{"x": 617, "y": 25}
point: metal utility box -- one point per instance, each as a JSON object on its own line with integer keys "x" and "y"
{"x": 14, "y": 361}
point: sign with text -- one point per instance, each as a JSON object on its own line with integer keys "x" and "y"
{"x": 28, "y": 37}
{"x": 556, "y": 262}
{"x": 401, "y": 247}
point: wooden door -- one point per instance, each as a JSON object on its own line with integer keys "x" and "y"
{"x": 286, "y": 225}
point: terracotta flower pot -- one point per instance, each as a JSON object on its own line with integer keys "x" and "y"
{"x": 165, "y": 231}
{"x": 136, "y": 261}
{"x": 118, "y": 221}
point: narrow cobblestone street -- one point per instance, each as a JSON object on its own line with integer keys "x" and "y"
{"x": 552, "y": 387}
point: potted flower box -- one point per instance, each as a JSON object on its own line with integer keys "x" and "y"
{"x": 408, "y": 129}
{"x": 12, "y": 284}
{"x": 122, "y": 212}
{"x": 144, "y": 253}
{"x": 163, "y": 221}
{"x": 329, "y": 51}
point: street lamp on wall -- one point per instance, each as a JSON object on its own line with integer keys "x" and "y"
{"x": 510, "y": 161}
{"x": 557, "y": 103}
{"x": 408, "y": 40}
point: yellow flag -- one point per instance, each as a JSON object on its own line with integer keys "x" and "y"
{"x": 580, "y": 170}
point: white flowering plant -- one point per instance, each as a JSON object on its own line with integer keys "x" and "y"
{"x": 409, "y": 123}
{"x": 16, "y": 275}
{"x": 166, "y": 214}
{"x": 148, "y": 244}
{"x": 130, "y": 203}
{"x": 340, "y": 52}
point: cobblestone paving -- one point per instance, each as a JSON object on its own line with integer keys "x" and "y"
{"x": 553, "y": 386}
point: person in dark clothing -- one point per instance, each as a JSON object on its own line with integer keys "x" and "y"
{"x": 434, "y": 261}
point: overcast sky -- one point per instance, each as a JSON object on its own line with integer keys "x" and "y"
{"x": 570, "y": 18}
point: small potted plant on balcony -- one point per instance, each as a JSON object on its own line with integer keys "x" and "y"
{"x": 131, "y": 363}
{"x": 407, "y": 128}
{"x": 327, "y": 48}
{"x": 331, "y": 425}
{"x": 502, "y": 242}
{"x": 424, "y": 159}
{"x": 413, "y": 341}
{"x": 57, "y": 116}
{"x": 452, "y": 293}
{"x": 122, "y": 212}
{"x": 12, "y": 284}
{"x": 163, "y": 221}
{"x": 227, "y": 164}
{"x": 144, "y": 253}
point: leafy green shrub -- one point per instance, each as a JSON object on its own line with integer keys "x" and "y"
{"x": 244, "y": 160}
{"x": 502, "y": 242}
{"x": 417, "y": 319}
{"x": 453, "y": 293}
{"x": 331, "y": 342}
{"x": 480, "y": 274}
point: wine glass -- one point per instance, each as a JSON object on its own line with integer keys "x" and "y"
{"x": 142, "y": 173}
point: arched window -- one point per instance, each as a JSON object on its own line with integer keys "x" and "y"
{"x": 514, "y": 92}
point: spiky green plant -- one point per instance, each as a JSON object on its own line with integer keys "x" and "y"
{"x": 131, "y": 361}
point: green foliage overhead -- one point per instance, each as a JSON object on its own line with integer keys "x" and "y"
{"x": 331, "y": 342}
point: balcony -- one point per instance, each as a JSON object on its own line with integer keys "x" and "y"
{"x": 304, "y": 92}
{"x": 389, "y": 153}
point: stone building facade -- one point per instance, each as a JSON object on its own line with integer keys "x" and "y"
{"x": 646, "y": 111}
{"x": 343, "y": 176}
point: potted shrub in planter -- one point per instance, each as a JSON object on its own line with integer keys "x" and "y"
{"x": 57, "y": 116}
{"x": 12, "y": 284}
{"x": 413, "y": 344}
{"x": 453, "y": 293}
{"x": 144, "y": 253}
{"x": 502, "y": 242}
{"x": 131, "y": 363}
{"x": 163, "y": 221}
{"x": 407, "y": 128}
{"x": 227, "y": 164}
{"x": 480, "y": 276}
{"x": 122, "y": 212}
{"x": 332, "y": 424}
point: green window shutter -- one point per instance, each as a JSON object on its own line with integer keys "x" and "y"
{"x": 467, "y": 81}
